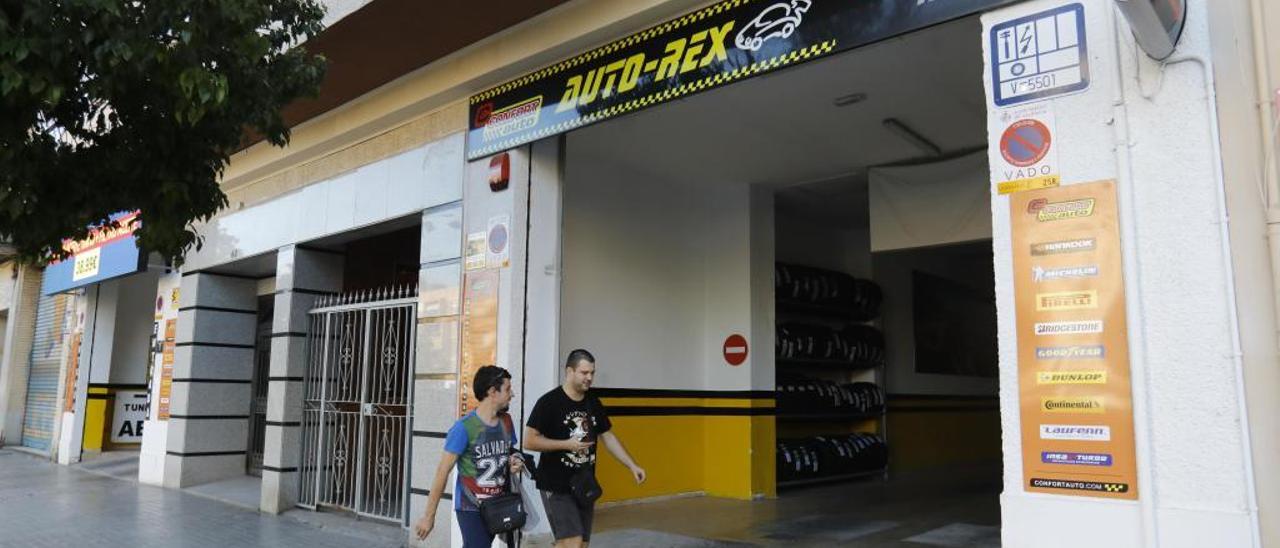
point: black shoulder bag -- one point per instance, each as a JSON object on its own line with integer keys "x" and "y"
{"x": 504, "y": 514}
{"x": 582, "y": 484}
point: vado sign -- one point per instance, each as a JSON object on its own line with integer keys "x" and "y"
{"x": 109, "y": 251}
{"x": 717, "y": 45}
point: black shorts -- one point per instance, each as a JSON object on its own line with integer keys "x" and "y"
{"x": 567, "y": 519}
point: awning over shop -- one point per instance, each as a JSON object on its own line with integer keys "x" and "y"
{"x": 108, "y": 252}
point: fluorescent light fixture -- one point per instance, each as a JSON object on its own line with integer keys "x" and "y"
{"x": 909, "y": 135}
{"x": 850, "y": 99}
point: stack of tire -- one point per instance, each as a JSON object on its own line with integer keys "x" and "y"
{"x": 827, "y": 288}
{"x": 827, "y": 456}
{"x": 854, "y": 344}
{"x": 800, "y": 395}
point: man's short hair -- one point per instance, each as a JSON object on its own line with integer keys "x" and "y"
{"x": 489, "y": 376}
{"x": 578, "y": 356}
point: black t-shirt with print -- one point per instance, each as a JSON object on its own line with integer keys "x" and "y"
{"x": 557, "y": 417}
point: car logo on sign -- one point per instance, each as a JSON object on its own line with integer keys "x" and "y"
{"x": 776, "y": 21}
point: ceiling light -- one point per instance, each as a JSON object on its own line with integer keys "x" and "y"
{"x": 850, "y": 99}
{"x": 909, "y": 135}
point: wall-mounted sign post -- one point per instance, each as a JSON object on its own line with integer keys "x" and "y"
{"x": 1073, "y": 354}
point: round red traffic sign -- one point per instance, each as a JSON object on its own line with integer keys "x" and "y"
{"x": 1025, "y": 142}
{"x": 735, "y": 349}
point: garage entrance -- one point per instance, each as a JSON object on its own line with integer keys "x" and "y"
{"x": 835, "y": 216}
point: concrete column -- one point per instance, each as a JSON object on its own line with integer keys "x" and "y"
{"x": 435, "y": 390}
{"x": 213, "y": 366}
{"x": 302, "y": 276}
{"x": 17, "y": 354}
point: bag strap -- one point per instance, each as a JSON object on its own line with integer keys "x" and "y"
{"x": 508, "y": 429}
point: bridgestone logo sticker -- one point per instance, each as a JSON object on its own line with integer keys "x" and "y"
{"x": 1080, "y": 485}
{"x": 1069, "y": 328}
{"x": 1064, "y": 246}
{"x": 1075, "y": 432}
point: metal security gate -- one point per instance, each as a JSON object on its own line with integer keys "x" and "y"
{"x": 42, "y": 378}
{"x": 355, "y": 415}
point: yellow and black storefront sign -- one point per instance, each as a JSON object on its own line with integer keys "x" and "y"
{"x": 714, "y": 46}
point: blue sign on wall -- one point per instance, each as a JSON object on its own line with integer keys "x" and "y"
{"x": 107, "y": 253}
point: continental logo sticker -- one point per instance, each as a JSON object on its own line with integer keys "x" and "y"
{"x": 1077, "y": 245}
{"x": 512, "y": 119}
{"x": 1076, "y": 485}
{"x": 1083, "y": 327}
{"x": 1073, "y": 405}
{"x": 1075, "y": 432}
{"x": 1072, "y": 352}
{"x": 1071, "y": 377}
{"x": 1066, "y": 300}
{"x": 1046, "y": 211}
{"x": 1041, "y": 274}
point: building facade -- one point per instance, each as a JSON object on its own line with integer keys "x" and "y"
{"x": 628, "y": 177}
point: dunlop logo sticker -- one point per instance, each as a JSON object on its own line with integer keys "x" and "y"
{"x": 1071, "y": 377}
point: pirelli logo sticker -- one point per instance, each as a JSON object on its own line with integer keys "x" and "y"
{"x": 1067, "y": 300}
{"x": 720, "y": 44}
{"x": 1073, "y": 356}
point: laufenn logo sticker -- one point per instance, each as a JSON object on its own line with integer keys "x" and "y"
{"x": 1071, "y": 377}
{"x": 1066, "y": 300}
{"x": 1073, "y": 352}
{"x": 1075, "y": 432}
{"x": 1079, "y": 404}
{"x": 1069, "y": 328}
{"x": 1071, "y": 272}
{"x": 1064, "y": 246}
{"x": 1046, "y": 211}
{"x": 1076, "y": 459}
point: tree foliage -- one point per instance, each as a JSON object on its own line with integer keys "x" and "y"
{"x": 117, "y": 105}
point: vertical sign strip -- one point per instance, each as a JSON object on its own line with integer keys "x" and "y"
{"x": 1073, "y": 355}
{"x": 479, "y": 331}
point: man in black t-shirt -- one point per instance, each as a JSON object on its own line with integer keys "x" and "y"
{"x": 564, "y": 426}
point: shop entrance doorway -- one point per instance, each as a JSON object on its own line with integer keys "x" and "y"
{"x": 837, "y": 216}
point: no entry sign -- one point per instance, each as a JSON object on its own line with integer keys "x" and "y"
{"x": 735, "y": 350}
